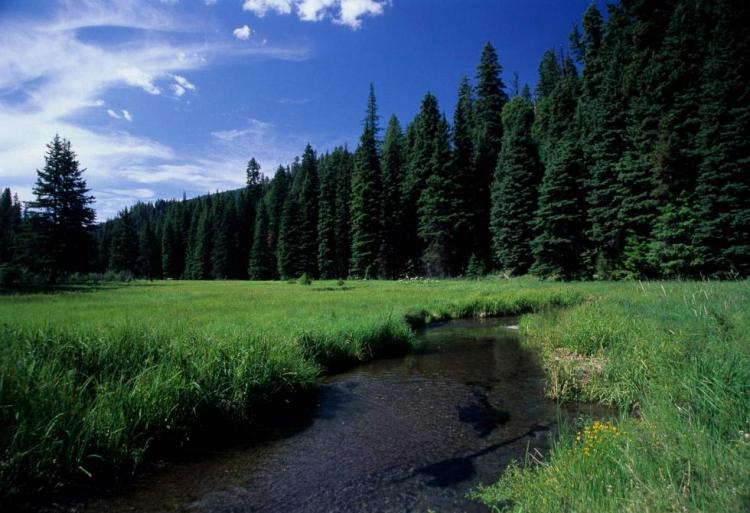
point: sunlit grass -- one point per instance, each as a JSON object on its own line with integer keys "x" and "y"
{"x": 675, "y": 357}
{"x": 99, "y": 377}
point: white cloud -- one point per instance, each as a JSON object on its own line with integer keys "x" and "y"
{"x": 177, "y": 89}
{"x": 242, "y": 32}
{"x": 261, "y": 7}
{"x": 351, "y": 11}
{"x": 139, "y": 78}
{"x": 341, "y": 12}
{"x": 183, "y": 82}
{"x": 61, "y": 75}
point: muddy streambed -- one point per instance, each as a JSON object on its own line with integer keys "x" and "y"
{"x": 403, "y": 434}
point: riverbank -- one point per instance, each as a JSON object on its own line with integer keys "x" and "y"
{"x": 95, "y": 381}
{"x": 99, "y": 379}
{"x": 675, "y": 359}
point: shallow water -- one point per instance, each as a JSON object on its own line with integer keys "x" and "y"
{"x": 404, "y": 434}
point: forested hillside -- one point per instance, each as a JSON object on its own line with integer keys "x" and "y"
{"x": 630, "y": 158}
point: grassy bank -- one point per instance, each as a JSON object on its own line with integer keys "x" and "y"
{"x": 676, "y": 358}
{"x": 93, "y": 380}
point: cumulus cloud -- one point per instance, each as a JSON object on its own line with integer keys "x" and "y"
{"x": 341, "y": 12}
{"x": 242, "y": 32}
{"x": 261, "y": 7}
{"x": 127, "y": 116}
{"x": 113, "y": 114}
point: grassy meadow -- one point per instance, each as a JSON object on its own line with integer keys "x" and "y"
{"x": 105, "y": 375}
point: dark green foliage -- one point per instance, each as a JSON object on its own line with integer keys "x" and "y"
{"x": 198, "y": 263}
{"x": 490, "y": 99}
{"x": 514, "y": 192}
{"x": 148, "y": 263}
{"x": 10, "y": 224}
{"x": 393, "y": 171}
{"x": 559, "y": 244}
{"x": 309, "y": 192}
{"x": 327, "y": 219}
{"x": 173, "y": 243}
{"x": 462, "y": 166}
{"x": 366, "y": 198}
{"x": 64, "y": 217}
{"x": 722, "y": 237}
{"x": 438, "y": 213}
{"x": 124, "y": 249}
{"x": 262, "y": 264}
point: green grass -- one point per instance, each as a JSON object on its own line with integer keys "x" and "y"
{"x": 107, "y": 375}
{"x": 675, "y": 357}
{"x": 96, "y": 378}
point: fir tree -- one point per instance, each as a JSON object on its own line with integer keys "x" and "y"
{"x": 262, "y": 265}
{"x": 148, "y": 262}
{"x": 722, "y": 237}
{"x": 366, "y": 197}
{"x": 514, "y": 194}
{"x": 560, "y": 218}
{"x": 172, "y": 244}
{"x": 462, "y": 165}
{"x": 63, "y": 212}
{"x": 10, "y": 223}
{"x": 343, "y": 163}
{"x": 327, "y": 219}
{"x": 438, "y": 213}
{"x": 309, "y": 194}
{"x": 392, "y": 164}
{"x": 124, "y": 249}
{"x": 490, "y": 99}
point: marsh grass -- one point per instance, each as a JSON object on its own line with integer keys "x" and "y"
{"x": 94, "y": 381}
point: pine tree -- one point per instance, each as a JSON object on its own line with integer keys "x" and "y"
{"x": 223, "y": 244}
{"x": 366, "y": 198}
{"x": 63, "y": 212}
{"x": 560, "y": 218}
{"x": 309, "y": 194}
{"x": 392, "y": 164}
{"x": 124, "y": 249}
{"x": 462, "y": 166}
{"x": 253, "y": 178}
{"x": 722, "y": 237}
{"x": 327, "y": 219}
{"x": 343, "y": 163}
{"x": 10, "y": 223}
{"x": 198, "y": 259}
{"x": 490, "y": 99}
{"x": 275, "y": 199}
{"x": 421, "y": 141}
{"x": 148, "y": 262}
{"x": 514, "y": 193}
{"x": 438, "y": 213}
{"x": 262, "y": 264}
{"x": 172, "y": 247}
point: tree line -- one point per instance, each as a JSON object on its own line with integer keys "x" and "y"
{"x": 628, "y": 159}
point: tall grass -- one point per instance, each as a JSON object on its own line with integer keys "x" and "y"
{"x": 95, "y": 379}
{"x": 675, "y": 357}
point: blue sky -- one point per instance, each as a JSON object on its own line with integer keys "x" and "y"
{"x": 160, "y": 97}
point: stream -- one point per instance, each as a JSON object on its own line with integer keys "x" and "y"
{"x": 411, "y": 433}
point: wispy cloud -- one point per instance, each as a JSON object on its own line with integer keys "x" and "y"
{"x": 56, "y": 77}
